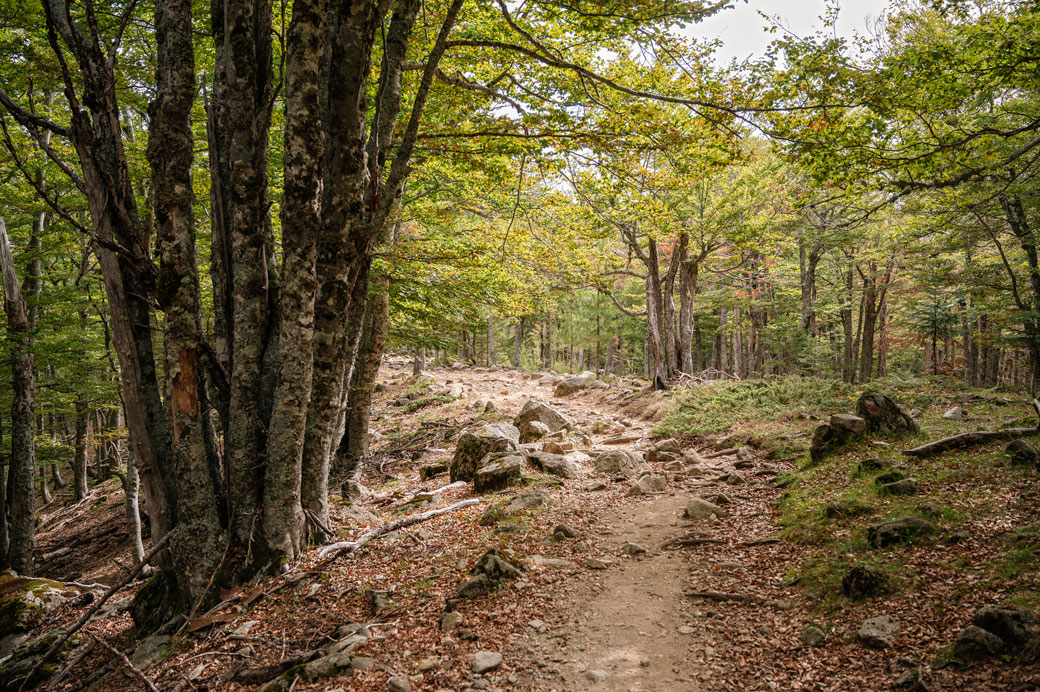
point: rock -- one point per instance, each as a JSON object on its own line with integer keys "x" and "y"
{"x": 655, "y": 456}
{"x": 698, "y": 508}
{"x": 838, "y": 509}
{"x": 868, "y": 466}
{"x": 554, "y": 464}
{"x": 864, "y": 581}
{"x": 151, "y": 649}
{"x": 907, "y": 486}
{"x": 813, "y": 636}
{"x": 670, "y": 445}
{"x": 459, "y": 366}
{"x": 899, "y": 531}
{"x": 722, "y": 499}
{"x": 974, "y": 643}
{"x": 535, "y": 430}
{"x": 24, "y": 602}
{"x": 915, "y": 413}
{"x": 538, "y": 626}
{"x": 877, "y": 633}
{"x": 475, "y": 444}
{"x": 649, "y": 485}
{"x": 598, "y": 384}
{"x": 1013, "y": 625}
{"x": 527, "y": 499}
{"x": 570, "y": 385}
{"x": 930, "y": 509}
{"x": 378, "y": 599}
{"x": 633, "y": 549}
{"x": 596, "y": 676}
{"x": 498, "y": 474}
{"x": 398, "y": 683}
{"x": 617, "y": 462}
{"x": 955, "y": 413}
{"x": 490, "y": 407}
{"x": 485, "y": 661}
{"x": 1022, "y": 453}
{"x": 353, "y": 491}
{"x": 912, "y": 679}
{"x": 498, "y": 565}
{"x": 744, "y": 453}
{"x": 837, "y": 431}
{"x": 535, "y": 411}
{"x": 883, "y": 415}
{"x": 598, "y": 563}
{"x": 431, "y": 470}
{"x": 890, "y": 477}
{"x": 450, "y": 621}
{"x": 735, "y": 478}
{"x": 24, "y": 658}
{"x": 564, "y": 531}
{"x": 474, "y": 587}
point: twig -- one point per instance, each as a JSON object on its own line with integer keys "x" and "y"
{"x": 97, "y": 606}
{"x": 126, "y": 662}
{"x": 344, "y": 546}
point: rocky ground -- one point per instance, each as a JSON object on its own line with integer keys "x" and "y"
{"x": 616, "y": 561}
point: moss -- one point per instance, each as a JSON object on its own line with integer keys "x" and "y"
{"x": 428, "y": 401}
{"x": 16, "y": 668}
{"x": 19, "y": 613}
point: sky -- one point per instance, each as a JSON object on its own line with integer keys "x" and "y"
{"x": 742, "y": 29}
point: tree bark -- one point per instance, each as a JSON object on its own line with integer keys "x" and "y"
{"x": 518, "y": 342}
{"x": 22, "y": 469}
{"x": 658, "y": 357}
{"x": 79, "y": 454}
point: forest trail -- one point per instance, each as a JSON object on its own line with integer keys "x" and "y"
{"x": 629, "y": 626}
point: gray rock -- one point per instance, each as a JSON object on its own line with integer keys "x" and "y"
{"x": 899, "y": 531}
{"x": 883, "y": 415}
{"x": 485, "y": 661}
{"x": 598, "y": 384}
{"x": 617, "y": 462}
{"x": 498, "y": 474}
{"x": 596, "y": 676}
{"x": 744, "y": 453}
{"x": 564, "y": 531}
{"x": 475, "y": 444}
{"x": 151, "y": 649}
{"x": 490, "y": 407}
{"x": 872, "y": 466}
{"x": 837, "y": 431}
{"x": 554, "y": 464}
{"x": 1013, "y": 625}
{"x": 864, "y": 581}
{"x": 353, "y": 491}
{"x": 450, "y": 621}
{"x": 649, "y": 485}
{"x": 633, "y": 549}
{"x": 1022, "y": 453}
{"x": 915, "y": 413}
{"x": 474, "y": 587}
{"x": 974, "y": 643}
{"x": 535, "y": 430}
{"x": 813, "y": 636}
{"x": 399, "y": 683}
{"x": 955, "y": 413}
{"x": 526, "y": 499}
{"x": 570, "y": 385}
{"x": 670, "y": 445}
{"x": 378, "y": 599}
{"x": 497, "y": 565}
{"x": 598, "y": 563}
{"x": 538, "y": 626}
{"x": 535, "y": 411}
{"x": 877, "y": 633}
{"x": 698, "y": 509}
{"x": 907, "y": 486}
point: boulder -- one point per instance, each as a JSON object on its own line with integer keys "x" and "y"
{"x": 151, "y": 649}
{"x": 498, "y": 474}
{"x": 877, "y": 633}
{"x": 535, "y": 411}
{"x": 476, "y": 443}
{"x": 24, "y": 602}
{"x": 617, "y": 462}
{"x": 1022, "y": 453}
{"x": 955, "y": 413}
{"x": 864, "y": 581}
{"x": 554, "y": 464}
{"x": 498, "y": 565}
{"x": 1014, "y": 626}
{"x": 975, "y": 643}
{"x": 899, "y": 531}
{"x": 23, "y": 660}
{"x": 649, "y": 485}
{"x": 883, "y": 415}
{"x": 837, "y": 431}
{"x": 670, "y": 445}
{"x": 907, "y": 486}
{"x": 570, "y": 385}
{"x": 698, "y": 508}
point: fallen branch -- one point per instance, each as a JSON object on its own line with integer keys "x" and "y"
{"x": 97, "y": 606}
{"x": 969, "y": 439}
{"x": 761, "y": 541}
{"x": 720, "y": 453}
{"x": 260, "y": 674}
{"x": 344, "y": 546}
{"x": 127, "y": 664}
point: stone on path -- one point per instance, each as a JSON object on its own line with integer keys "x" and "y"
{"x": 498, "y": 474}
{"x": 649, "y": 485}
{"x": 570, "y": 385}
{"x": 877, "y": 633}
{"x": 475, "y": 444}
{"x": 485, "y": 662}
{"x": 813, "y": 636}
{"x": 617, "y": 462}
{"x": 698, "y": 508}
{"x": 543, "y": 414}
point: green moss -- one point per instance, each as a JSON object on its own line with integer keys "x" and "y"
{"x": 25, "y": 657}
{"x": 19, "y": 613}
{"x": 428, "y": 401}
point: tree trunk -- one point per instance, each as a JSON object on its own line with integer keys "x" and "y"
{"x": 656, "y": 350}
{"x": 4, "y": 535}
{"x": 869, "y": 320}
{"x": 491, "y": 340}
{"x": 518, "y": 342}
{"x": 22, "y": 469}
{"x": 79, "y": 455}
{"x": 419, "y": 362}
{"x": 131, "y": 483}
{"x": 687, "y": 300}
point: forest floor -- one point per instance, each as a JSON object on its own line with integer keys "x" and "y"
{"x": 615, "y": 607}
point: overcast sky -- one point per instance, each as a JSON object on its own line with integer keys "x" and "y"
{"x": 742, "y": 28}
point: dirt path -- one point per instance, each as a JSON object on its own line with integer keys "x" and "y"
{"x": 629, "y": 627}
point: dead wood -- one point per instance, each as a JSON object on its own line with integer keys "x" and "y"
{"x": 344, "y": 546}
{"x": 261, "y": 674}
{"x": 968, "y": 439}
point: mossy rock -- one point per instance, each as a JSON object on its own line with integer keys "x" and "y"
{"x": 24, "y": 602}
{"x": 153, "y": 604}
{"x": 842, "y": 509}
{"x": 15, "y": 669}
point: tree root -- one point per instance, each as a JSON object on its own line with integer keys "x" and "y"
{"x": 345, "y": 546}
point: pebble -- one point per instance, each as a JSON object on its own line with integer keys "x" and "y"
{"x": 484, "y": 661}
